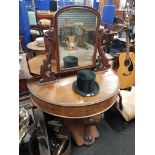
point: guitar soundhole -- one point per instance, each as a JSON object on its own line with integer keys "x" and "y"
{"x": 127, "y": 62}
{"x": 130, "y": 68}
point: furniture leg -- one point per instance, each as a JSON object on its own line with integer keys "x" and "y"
{"x": 83, "y": 131}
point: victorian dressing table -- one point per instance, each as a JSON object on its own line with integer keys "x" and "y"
{"x": 52, "y": 90}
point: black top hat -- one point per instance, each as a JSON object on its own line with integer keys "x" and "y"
{"x": 85, "y": 84}
{"x": 70, "y": 61}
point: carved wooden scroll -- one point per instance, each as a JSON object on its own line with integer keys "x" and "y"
{"x": 103, "y": 45}
{"x": 46, "y": 69}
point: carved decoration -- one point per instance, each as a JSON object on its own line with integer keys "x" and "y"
{"x": 103, "y": 44}
{"x": 46, "y": 69}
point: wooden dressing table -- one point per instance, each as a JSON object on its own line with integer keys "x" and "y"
{"x": 56, "y": 97}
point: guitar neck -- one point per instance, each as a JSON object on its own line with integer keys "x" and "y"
{"x": 127, "y": 35}
{"x": 127, "y": 44}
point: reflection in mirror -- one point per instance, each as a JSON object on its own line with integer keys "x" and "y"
{"x": 76, "y": 31}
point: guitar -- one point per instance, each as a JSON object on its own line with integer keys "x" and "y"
{"x": 126, "y": 69}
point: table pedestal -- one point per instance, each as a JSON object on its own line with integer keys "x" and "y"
{"x": 83, "y": 131}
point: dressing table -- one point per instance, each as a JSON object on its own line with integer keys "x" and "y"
{"x": 51, "y": 90}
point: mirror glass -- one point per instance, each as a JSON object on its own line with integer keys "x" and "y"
{"x": 77, "y": 37}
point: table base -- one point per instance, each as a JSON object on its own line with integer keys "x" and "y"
{"x": 83, "y": 131}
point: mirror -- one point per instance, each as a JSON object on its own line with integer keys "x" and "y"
{"x": 76, "y": 37}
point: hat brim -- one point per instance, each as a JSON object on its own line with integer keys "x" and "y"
{"x": 77, "y": 90}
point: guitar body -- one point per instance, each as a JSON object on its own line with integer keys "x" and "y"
{"x": 126, "y": 70}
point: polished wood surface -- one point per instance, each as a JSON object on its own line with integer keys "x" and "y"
{"x": 23, "y": 85}
{"x": 54, "y": 91}
{"x": 36, "y": 62}
{"x": 59, "y": 99}
{"x": 44, "y": 15}
{"x": 40, "y": 15}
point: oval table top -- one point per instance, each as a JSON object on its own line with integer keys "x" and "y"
{"x": 33, "y": 46}
{"x": 58, "y": 97}
{"x": 36, "y": 62}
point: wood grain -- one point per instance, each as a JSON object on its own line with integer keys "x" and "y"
{"x": 36, "y": 62}
{"x": 58, "y": 97}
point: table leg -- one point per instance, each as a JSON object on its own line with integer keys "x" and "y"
{"x": 83, "y": 131}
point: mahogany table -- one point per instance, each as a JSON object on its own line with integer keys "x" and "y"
{"x": 35, "y": 63}
{"x": 80, "y": 114}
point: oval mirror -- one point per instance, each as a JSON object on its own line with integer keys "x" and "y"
{"x": 77, "y": 34}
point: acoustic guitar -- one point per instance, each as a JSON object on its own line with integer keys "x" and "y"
{"x": 126, "y": 69}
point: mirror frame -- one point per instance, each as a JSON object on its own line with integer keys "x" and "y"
{"x": 55, "y": 24}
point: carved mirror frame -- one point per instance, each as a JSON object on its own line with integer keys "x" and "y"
{"x": 57, "y": 52}
{"x": 50, "y": 69}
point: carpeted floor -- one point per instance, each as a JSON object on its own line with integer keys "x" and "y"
{"x": 110, "y": 142}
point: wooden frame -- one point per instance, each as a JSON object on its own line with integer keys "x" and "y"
{"x": 52, "y": 57}
{"x": 55, "y": 23}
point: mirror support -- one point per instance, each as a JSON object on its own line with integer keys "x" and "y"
{"x": 46, "y": 69}
{"x": 81, "y": 64}
{"x": 103, "y": 44}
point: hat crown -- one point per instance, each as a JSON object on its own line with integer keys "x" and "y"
{"x": 85, "y": 84}
{"x": 70, "y": 61}
{"x": 86, "y": 75}
{"x": 86, "y": 80}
